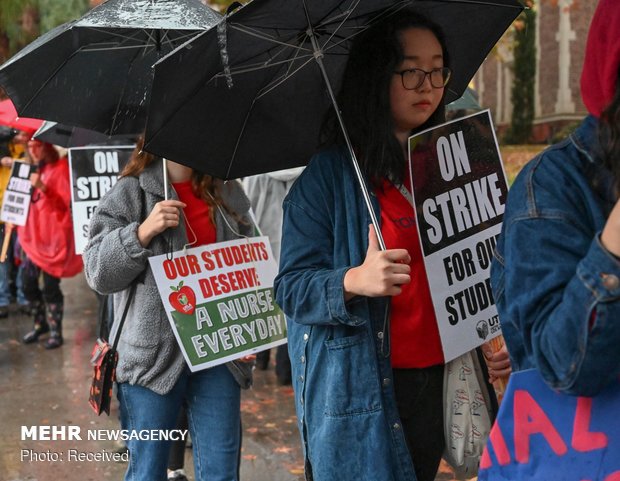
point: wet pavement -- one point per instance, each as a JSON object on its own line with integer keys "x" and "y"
{"x": 40, "y": 387}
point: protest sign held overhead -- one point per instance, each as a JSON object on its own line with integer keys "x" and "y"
{"x": 459, "y": 191}
{"x": 541, "y": 434}
{"x": 16, "y": 200}
{"x": 219, "y": 300}
{"x": 94, "y": 171}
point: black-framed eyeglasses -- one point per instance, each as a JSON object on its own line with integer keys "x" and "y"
{"x": 413, "y": 78}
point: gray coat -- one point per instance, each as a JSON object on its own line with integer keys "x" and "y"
{"x": 114, "y": 259}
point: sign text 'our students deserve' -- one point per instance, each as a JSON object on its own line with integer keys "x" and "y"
{"x": 219, "y": 258}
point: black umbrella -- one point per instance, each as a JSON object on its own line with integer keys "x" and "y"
{"x": 266, "y": 68}
{"x": 68, "y": 136}
{"x": 95, "y": 72}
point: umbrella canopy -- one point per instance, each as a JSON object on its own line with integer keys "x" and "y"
{"x": 263, "y": 68}
{"x": 67, "y": 136}
{"x": 95, "y": 72}
{"x": 9, "y": 117}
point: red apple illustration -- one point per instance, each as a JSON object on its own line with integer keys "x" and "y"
{"x": 183, "y": 299}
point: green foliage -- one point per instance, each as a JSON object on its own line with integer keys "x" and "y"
{"x": 564, "y": 131}
{"x": 54, "y": 13}
{"x": 12, "y": 16}
{"x": 21, "y": 21}
{"x": 524, "y": 68}
{"x": 220, "y": 5}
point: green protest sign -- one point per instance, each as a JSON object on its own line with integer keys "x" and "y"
{"x": 219, "y": 300}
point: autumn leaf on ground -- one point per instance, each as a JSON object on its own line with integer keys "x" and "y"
{"x": 283, "y": 449}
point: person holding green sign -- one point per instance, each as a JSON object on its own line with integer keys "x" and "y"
{"x": 132, "y": 223}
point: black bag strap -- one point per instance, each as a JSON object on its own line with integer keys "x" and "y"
{"x": 132, "y": 292}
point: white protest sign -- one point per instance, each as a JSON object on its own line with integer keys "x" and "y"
{"x": 459, "y": 190}
{"x": 219, "y": 300}
{"x": 16, "y": 200}
{"x": 94, "y": 171}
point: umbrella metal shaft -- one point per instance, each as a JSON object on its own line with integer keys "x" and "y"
{"x": 318, "y": 55}
{"x": 164, "y": 165}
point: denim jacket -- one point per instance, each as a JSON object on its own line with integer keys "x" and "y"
{"x": 557, "y": 289}
{"x": 342, "y": 377}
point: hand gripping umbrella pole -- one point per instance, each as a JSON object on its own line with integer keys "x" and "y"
{"x": 318, "y": 56}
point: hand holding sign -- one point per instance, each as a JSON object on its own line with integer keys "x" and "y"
{"x": 35, "y": 180}
{"x": 498, "y": 362}
{"x": 164, "y": 215}
{"x": 382, "y": 273}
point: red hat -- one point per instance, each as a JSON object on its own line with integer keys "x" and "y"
{"x": 601, "y": 66}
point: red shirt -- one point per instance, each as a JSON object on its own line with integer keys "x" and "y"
{"x": 196, "y": 215}
{"x": 415, "y": 341}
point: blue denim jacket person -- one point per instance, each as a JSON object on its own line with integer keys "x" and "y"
{"x": 557, "y": 288}
{"x": 339, "y": 351}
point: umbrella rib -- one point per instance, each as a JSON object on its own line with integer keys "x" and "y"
{"x": 294, "y": 58}
{"x": 342, "y": 21}
{"x": 134, "y": 37}
{"x": 261, "y": 66}
{"x": 116, "y": 34}
{"x": 269, "y": 63}
{"x": 234, "y": 154}
{"x": 264, "y": 37}
{"x": 106, "y": 49}
{"x": 384, "y": 13}
{"x": 268, "y": 88}
{"x": 165, "y": 38}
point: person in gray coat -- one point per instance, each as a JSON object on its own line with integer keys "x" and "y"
{"x": 132, "y": 223}
{"x": 266, "y": 193}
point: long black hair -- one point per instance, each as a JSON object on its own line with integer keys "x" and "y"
{"x": 609, "y": 132}
{"x": 364, "y": 97}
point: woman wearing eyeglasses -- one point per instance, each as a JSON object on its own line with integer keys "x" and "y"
{"x": 356, "y": 312}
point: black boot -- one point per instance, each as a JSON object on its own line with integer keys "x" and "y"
{"x": 40, "y": 324}
{"x": 53, "y": 313}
